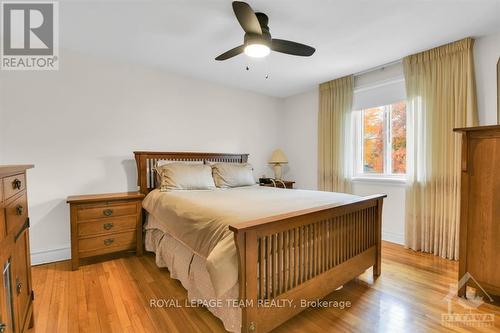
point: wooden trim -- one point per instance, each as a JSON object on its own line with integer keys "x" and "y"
{"x": 326, "y": 247}
{"x": 477, "y": 128}
{"x": 7, "y": 170}
{"x": 89, "y": 198}
{"x": 146, "y": 161}
{"x": 336, "y": 209}
{"x": 317, "y": 288}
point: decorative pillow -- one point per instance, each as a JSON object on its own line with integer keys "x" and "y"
{"x": 185, "y": 176}
{"x": 232, "y": 174}
{"x": 161, "y": 163}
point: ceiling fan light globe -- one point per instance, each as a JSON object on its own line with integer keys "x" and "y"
{"x": 257, "y": 50}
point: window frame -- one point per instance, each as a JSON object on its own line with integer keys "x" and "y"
{"x": 358, "y": 172}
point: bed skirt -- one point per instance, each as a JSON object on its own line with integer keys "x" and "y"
{"x": 190, "y": 269}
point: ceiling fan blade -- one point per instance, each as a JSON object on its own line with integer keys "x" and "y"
{"x": 247, "y": 18}
{"x": 293, "y": 48}
{"x": 231, "y": 53}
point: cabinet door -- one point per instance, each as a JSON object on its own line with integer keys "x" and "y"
{"x": 22, "y": 277}
{"x": 6, "y": 306}
{"x": 483, "y": 227}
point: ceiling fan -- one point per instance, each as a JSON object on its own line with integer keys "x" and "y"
{"x": 257, "y": 41}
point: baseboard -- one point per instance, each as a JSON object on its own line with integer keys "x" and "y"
{"x": 51, "y": 255}
{"x": 39, "y": 257}
{"x": 393, "y": 237}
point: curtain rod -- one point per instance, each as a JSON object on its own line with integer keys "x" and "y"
{"x": 378, "y": 67}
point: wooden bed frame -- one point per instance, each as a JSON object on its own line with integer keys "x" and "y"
{"x": 303, "y": 255}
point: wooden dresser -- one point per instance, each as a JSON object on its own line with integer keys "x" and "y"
{"x": 16, "y": 295}
{"x": 105, "y": 223}
{"x": 480, "y": 208}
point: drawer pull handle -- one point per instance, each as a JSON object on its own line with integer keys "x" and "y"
{"x": 3, "y": 327}
{"x": 19, "y": 210}
{"x": 16, "y": 184}
{"x": 19, "y": 286}
{"x": 107, "y": 212}
{"x": 108, "y": 241}
{"x": 107, "y": 226}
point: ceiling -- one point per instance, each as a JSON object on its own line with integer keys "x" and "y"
{"x": 184, "y": 36}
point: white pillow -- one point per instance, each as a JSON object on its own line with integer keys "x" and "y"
{"x": 232, "y": 174}
{"x": 185, "y": 176}
{"x": 161, "y": 163}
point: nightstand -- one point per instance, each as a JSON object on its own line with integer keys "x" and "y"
{"x": 280, "y": 184}
{"x": 104, "y": 224}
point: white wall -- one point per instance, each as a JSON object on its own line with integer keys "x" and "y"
{"x": 299, "y": 138}
{"x": 486, "y": 54}
{"x": 80, "y": 125}
{"x": 299, "y": 131}
{"x": 299, "y": 142}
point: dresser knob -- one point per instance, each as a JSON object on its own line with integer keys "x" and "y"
{"x": 107, "y": 212}
{"x": 107, "y": 226}
{"x": 19, "y": 210}
{"x": 3, "y": 327}
{"x": 19, "y": 286}
{"x": 108, "y": 241}
{"x": 16, "y": 184}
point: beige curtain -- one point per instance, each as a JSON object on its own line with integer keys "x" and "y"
{"x": 334, "y": 139}
{"x": 441, "y": 95}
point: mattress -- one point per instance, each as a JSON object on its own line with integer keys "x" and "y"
{"x": 199, "y": 219}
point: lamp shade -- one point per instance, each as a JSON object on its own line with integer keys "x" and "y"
{"x": 278, "y": 156}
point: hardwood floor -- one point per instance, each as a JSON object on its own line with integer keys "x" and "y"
{"x": 113, "y": 296}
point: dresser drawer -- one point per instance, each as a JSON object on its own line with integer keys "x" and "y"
{"x": 106, "y": 211}
{"x": 89, "y": 247}
{"x": 16, "y": 214}
{"x": 13, "y": 185}
{"x": 107, "y": 225}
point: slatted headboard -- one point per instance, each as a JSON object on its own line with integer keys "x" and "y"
{"x": 146, "y": 161}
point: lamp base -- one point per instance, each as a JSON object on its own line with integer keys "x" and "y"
{"x": 277, "y": 171}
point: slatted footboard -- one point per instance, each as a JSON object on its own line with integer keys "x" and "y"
{"x": 304, "y": 255}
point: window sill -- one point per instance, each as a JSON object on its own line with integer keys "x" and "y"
{"x": 380, "y": 180}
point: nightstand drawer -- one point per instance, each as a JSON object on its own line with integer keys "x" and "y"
{"x": 16, "y": 214}
{"x": 89, "y": 247}
{"x": 106, "y": 211}
{"x": 104, "y": 224}
{"x": 13, "y": 185}
{"x": 107, "y": 225}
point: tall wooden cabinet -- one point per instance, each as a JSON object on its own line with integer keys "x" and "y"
{"x": 480, "y": 207}
{"x": 16, "y": 295}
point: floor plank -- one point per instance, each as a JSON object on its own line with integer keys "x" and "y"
{"x": 113, "y": 296}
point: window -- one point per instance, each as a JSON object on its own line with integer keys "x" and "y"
{"x": 381, "y": 141}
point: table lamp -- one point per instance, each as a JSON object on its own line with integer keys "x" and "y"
{"x": 278, "y": 158}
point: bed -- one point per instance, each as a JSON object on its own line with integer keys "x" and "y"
{"x": 280, "y": 245}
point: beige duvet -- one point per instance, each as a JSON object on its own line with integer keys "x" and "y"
{"x": 200, "y": 219}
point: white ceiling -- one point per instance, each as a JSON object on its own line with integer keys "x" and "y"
{"x": 184, "y": 36}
